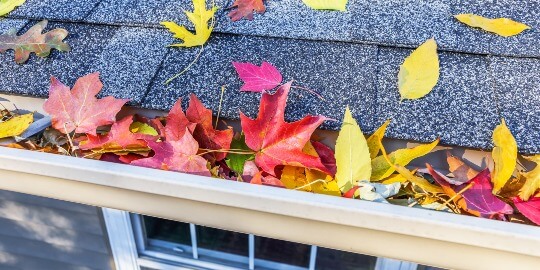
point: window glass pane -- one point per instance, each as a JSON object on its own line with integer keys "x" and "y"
{"x": 167, "y": 230}
{"x": 220, "y": 240}
{"x": 282, "y": 251}
{"x": 330, "y": 259}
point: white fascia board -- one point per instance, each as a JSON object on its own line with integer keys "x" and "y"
{"x": 423, "y": 236}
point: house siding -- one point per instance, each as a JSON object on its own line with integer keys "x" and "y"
{"x": 42, "y": 233}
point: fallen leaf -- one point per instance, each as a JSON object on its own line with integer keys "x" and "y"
{"x": 236, "y": 161}
{"x": 477, "y": 195}
{"x": 420, "y": 182}
{"x": 377, "y": 192}
{"x": 374, "y": 141}
{"x": 352, "y": 154}
{"x": 277, "y": 142}
{"x": 395, "y": 178}
{"x": 16, "y": 125}
{"x": 205, "y": 134}
{"x": 530, "y": 208}
{"x": 79, "y": 110}
{"x": 532, "y": 182}
{"x": 36, "y": 127}
{"x": 419, "y": 73}
{"x": 327, "y": 4}
{"x": 501, "y": 26}
{"x": 177, "y": 122}
{"x": 326, "y": 154}
{"x": 120, "y": 139}
{"x": 295, "y": 178}
{"x": 6, "y": 6}
{"x": 245, "y": 9}
{"x": 180, "y": 155}
{"x": 462, "y": 172}
{"x": 258, "y": 79}
{"x": 200, "y": 18}
{"x": 33, "y": 41}
{"x": 504, "y": 155}
{"x": 381, "y": 169}
{"x": 143, "y": 128}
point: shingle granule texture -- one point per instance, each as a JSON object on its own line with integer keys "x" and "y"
{"x": 71, "y": 10}
{"x": 518, "y": 95}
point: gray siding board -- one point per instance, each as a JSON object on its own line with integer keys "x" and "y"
{"x": 42, "y": 233}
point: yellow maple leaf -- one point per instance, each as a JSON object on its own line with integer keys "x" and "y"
{"x": 200, "y": 17}
{"x": 327, "y": 4}
{"x": 504, "y": 155}
{"x": 532, "y": 182}
{"x": 374, "y": 141}
{"x": 6, "y": 6}
{"x": 352, "y": 154}
{"x": 382, "y": 169}
{"x": 16, "y": 125}
{"x": 501, "y": 26}
{"x": 419, "y": 72}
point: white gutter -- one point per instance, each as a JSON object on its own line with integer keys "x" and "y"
{"x": 423, "y": 236}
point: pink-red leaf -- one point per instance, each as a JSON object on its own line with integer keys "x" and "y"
{"x": 180, "y": 155}
{"x": 204, "y": 132}
{"x": 277, "y": 142}
{"x": 326, "y": 154}
{"x": 245, "y": 9}
{"x": 177, "y": 123}
{"x": 79, "y": 110}
{"x": 258, "y": 79}
{"x": 530, "y": 208}
{"x": 119, "y": 137}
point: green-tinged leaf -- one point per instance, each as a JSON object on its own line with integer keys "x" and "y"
{"x": 374, "y": 141}
{"x": 352, "y": 154}
{"x": 6, "y": 6}
{"x": 236, "y": 161}
{"x": 381, "y": 169}
{"x": 500, "y": 26}
{"x": 327, "y": 4}
{"x": 16, "y": 125}
{"x": 504, "y": 155}
{"x": 419, "y": 73}
{"x": 143, "y": 128}
{"x": 33, "y": 41}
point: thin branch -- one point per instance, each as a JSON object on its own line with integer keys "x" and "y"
{"x": 187, "y": 68}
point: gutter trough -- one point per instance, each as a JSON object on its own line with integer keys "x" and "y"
{"x": 423, "y": 236}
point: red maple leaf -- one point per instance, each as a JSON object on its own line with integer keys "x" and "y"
{"x": 119, "y": 137}
{"x": 258, "y": 79}
{"x": 180, "y": 155}
{"x": 245, "y": 9}
{"x": 79, "y": 110}
{"x": 326, "y": 154}
{"x": 177, "y": 122}
{"x": 277, "y": 142}
{"x": 204, "y": 132}
{"x": 478, "y": 197}
{"x": 530, "y": 208}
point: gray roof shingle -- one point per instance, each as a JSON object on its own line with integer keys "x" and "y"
{"x": 349, "y": 57}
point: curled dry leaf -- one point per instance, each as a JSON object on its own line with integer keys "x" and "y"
{"x": 352, "y": 154}
{"x": 501, "y": 26}
{"x": 79, "y": 110}
{"x": 33, "y": 41}
{"x": 245, "y": 9}
{"x": 504, "y": 155}
{"x": 460, "y": 170}
{"x": 419, "y": 73}
{"x": 200, "y": 17}
{"x": 258, "y": 79}
{"x": 327, "y": 4}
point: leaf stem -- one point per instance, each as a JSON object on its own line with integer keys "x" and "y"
{"x": 187, "y": 68}
{"x": 311, "y": 91}
{"x": 219, "y": 107}
{"x": 309, "y": 184}
{"x": 455, "y": 196}
{"x": 70, "y": 141}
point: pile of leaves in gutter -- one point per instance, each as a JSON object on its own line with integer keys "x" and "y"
{"x": 270, "y": 151}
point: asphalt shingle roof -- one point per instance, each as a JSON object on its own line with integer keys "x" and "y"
{"x": 351, "y": 58}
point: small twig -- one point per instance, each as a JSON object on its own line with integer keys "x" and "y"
{"x": 70, "y": 141}
{"x": 187, "y": 68}
{"x": 311, "y": 91}
{"x": 219, "y": 107}
{"x": 309, "y": 184}
{"x": 446, "y": 203}
{"x": 413, "y": 204}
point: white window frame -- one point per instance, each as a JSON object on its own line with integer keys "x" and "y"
{"x": 131, "y": 251}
